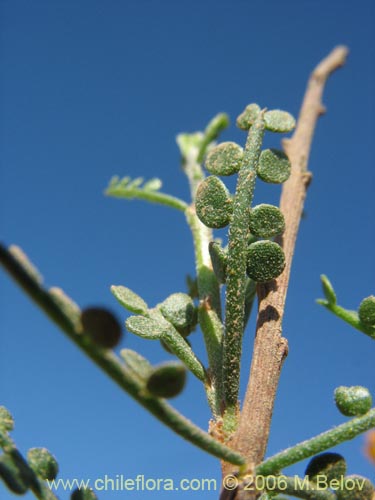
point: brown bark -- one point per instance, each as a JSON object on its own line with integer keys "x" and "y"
{"x": 270, "y": 348}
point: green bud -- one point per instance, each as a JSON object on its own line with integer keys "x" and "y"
{"x": 225, "y": 159}
{"x": 213, "y": 203}
{"x": 328, "y": 290}
{"x": 330, "y": 465}
{"x": 101, "y": 326}
{"x": 136, "y": 363}
{"x": 366, "y": 311}
{"x": 279, "y": 121}
{"x": 145, "y": 327}
{"x": 167, "y": 380}
{"x": 15, "y": 473}
{"x": 356, "y": 488}
{"x": 83, "y": 494}
{"x": 266, "y": 221}
{"x": 179, "y": 309}
{"x": 43, "y": 463}
{"x": 274, "y": 166}
{"x": 6, "y": 420}
{"x": 353, "y": 401}
{"x": 248, "y": 116}
{"x": 265, "y": 261}
{"x": 219, "y": 261}
{"x": 130, "y": 300}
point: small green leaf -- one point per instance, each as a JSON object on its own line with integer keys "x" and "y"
{"x": 130, "y": 300}
{"x": 366, "y": 311}
{"x": 219, "y": 261}
{"x": 279, "y": 121}
{"x": 248, "y": 116}
{"x": 135, "y": 183}
{"x": 145, "y": 327}
{"x": 43, "y": 463}
{"x": 213, "y": 203}
{"x": 356, "y": 488}
{"x": 353, "y": 401}
{"x": 167, "y": 380}
{"x": 225, "y": 159}
{"x": 274, "y": 166}
{"x": 136, "y": 363}
{"x": 6, "y": 420}
{"x": 101, "y": 326}
{"x": 152, "y": 185}
{"x": 328, "y": 290}
{"x": 266, "y": 221}
{"x": 265, "y": 261}
{"x": 329, "y": 465}
{"x": 179, "y": 309}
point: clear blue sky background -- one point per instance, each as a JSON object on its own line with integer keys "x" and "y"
{"x": 90, "y": 89}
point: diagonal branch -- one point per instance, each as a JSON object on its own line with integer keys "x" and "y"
{"x": 270, "y": 348}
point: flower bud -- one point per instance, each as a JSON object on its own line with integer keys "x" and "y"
{"x": 265, "y": 261}
{"x": 213, "y": 203}
{"x": 353, "y": 401}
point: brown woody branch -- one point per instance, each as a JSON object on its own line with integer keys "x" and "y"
{"x": 270, "y": 348}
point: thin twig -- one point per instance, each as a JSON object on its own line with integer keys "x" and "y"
{"x": 109, "y": 362}
{"x": 270, "y": 348}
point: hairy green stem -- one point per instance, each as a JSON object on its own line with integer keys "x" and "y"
{"x": 21, "y": 468}
{"x": 350, "y": 317}
{"x": 151, "y": 196}
{"x": 112, "y": 365}
{"x": 208, "y": 286}
{"x": 236, "y": 267}
{"x": 326, "y": 440}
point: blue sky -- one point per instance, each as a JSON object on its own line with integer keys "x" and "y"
{"x": 91, "y": 89}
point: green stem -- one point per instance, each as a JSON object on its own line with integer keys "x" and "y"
{"x": 326, "y": 440}
{"x": 208, "y": 286}
{"x": 21, "y": 468}
{"x": 112, "y": 365}
{"x": 151, "y": 196}
{"x": 350, "y": 317}
{"x": 236, "y": 267}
